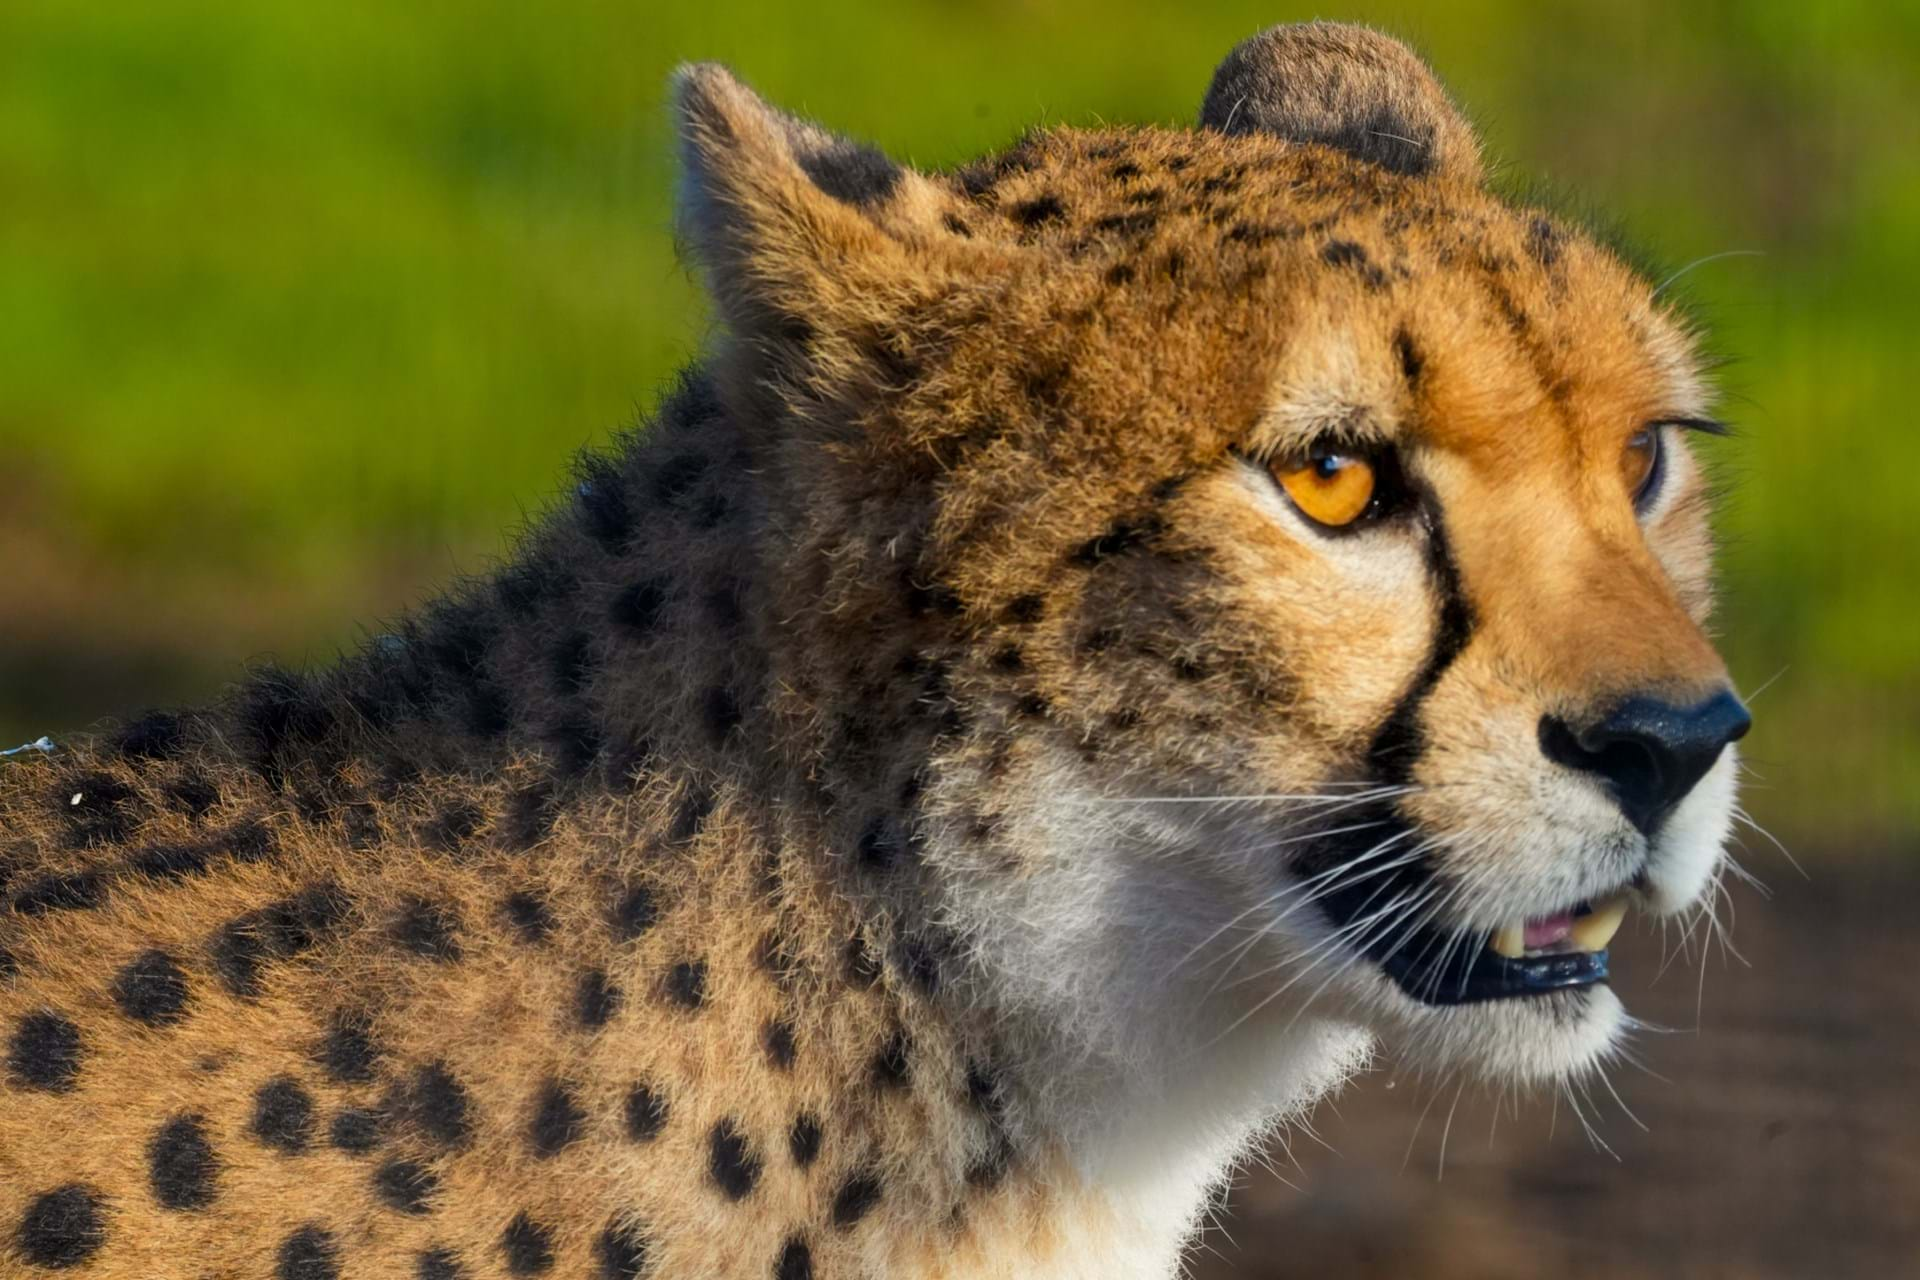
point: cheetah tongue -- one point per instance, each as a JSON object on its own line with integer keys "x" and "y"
{"x": 1585, "y": 928}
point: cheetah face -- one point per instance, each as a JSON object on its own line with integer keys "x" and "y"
{"x": 1303, "y": 550}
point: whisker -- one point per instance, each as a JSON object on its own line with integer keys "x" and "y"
{"x": 1701, "y": 262}
{"x": 1742, "y": 815}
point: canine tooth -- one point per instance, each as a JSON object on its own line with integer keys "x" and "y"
{"x": 1510, "y": 941}
{"x": 1593, "y": 932}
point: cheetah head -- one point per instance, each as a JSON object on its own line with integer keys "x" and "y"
{"x": 1257, "y": 571}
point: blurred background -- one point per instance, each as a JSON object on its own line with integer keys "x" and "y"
{"x": 303, "y": 307}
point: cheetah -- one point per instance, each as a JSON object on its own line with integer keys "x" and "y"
{"x": 1107, "y": 640}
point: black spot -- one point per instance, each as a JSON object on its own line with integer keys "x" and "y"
{"x": 404, "y": 1185}
{"x": 862, "y": 963}
{"x": 576, "y": 745}
{"x": 983, "y": 1089}
{"x": 274, "y": 932}
{"x": 436, "y": 1104}
{"x": 1411, "y": 362}
{"x": 646, "y": 1113}
{"x": 1032, "y": 706}
{"x": 772, "y": 955}
{"x": 158, "y": 735}
{"x": 596, "y": 1000}
{"x": 348, "y": 1054}
{"x": 454, "y": 825}
{"x": 249, "y": 841}
{"x": 169, "y": 861}
{"x": 280, "y": 710}
{"x": 851, "y": 172}
{"x": 987, "y": 1170}
{"x": 1120, "y": 538}
{"x": 1345, "y": 253}
{"x": 529, "y": 917}
{"x": 1124, "y": 170}
{"x": 621, "y": 1252}
{"x": 528, "y": 1247}
{"x": 731, "y": 1162}
{"x": 489, "y": 712}
{"x": 361, "y": 823}
{"x": 1119, "y": 273}
{"x": 919, "y": 960}
{"x": 855, "y": 1199}
{"x": 524, "y": 587}
{"x": 308, "y": 1254}
{"x": 720, "y": 709}
{"x": 677, "y": 476}
{"x": 892, "y": 1063}
{"x": 181, "y": 1165}
{"x": 803, "y": 1139}
{"x": 529, "y": 817}
{"x": 152, "y": 989}
{"x": 695, "y": 805}
{"x": 283, "y": 1116}
{"x": 777, "y": 1039}
{"x": 426, "y": 929}
{"x": 439, "y": 1264}
{"x": 1138, "y": 222}
{"x": 572, "y": 662}
{"x": 557, "y": 1120}
{"x": 68, "y": 891}
{"x": 1543, "y": 242}
{"x": 633, "y": 914}
{"x": 604, "y": 512}
{"x": 879, "y": 844}
{"x": 63, "y": 1227}
{"x": 712, "y": 510}
{"x": 355, "y": 1130}
{"x": 44, "y": 1052}
{"x": 795, "y": 1261}
{"x": 1038, "y": 211}
{"x": 723, "y": 606}
{"x": 193, "y": 795}
{"x": 687, "y": 983}
{"x": 638, "y": 607}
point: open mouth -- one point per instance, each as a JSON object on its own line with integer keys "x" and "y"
{"x": 1438, "y": 965}
{"x": 1530, "y": 957}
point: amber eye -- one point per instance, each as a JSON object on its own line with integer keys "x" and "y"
{"x": 1330, "y": 487}
{"x": 1640, "y": 463}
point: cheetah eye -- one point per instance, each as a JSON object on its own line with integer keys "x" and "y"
{"x": 1332, "y": 485}
{"x": 1641, "y": 465}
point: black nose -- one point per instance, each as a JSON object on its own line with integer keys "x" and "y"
{"x": 1649, "y": 753}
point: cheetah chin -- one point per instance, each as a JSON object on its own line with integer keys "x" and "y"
{"x": 1104, "y": 643}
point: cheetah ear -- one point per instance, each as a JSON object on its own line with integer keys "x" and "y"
{"x": 793, "y": 225}
{"x": 1345, "y": 87}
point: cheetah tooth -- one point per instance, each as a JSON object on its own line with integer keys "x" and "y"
{"x": 1592, "y": 932}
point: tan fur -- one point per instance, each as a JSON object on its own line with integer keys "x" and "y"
{"x": 962, "y": 494}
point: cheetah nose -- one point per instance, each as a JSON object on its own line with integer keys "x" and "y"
{"x": 1648, "y": 752}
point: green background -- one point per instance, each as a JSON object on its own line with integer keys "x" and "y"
{"x": 303, "y": 306}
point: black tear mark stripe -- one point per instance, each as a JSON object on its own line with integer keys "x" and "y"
{"x": 1396, "y": 747}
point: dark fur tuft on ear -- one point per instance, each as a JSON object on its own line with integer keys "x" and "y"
{"x": 1345, "y": 87}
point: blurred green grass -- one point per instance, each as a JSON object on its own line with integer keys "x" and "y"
{"x": 302, "y": 306}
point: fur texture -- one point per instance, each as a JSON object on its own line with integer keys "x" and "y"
{"x": 863, "y": 832}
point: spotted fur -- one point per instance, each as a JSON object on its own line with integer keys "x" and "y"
{"x": 770, "y": 872}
